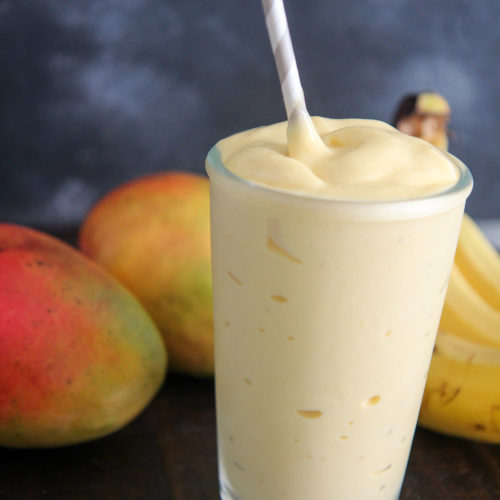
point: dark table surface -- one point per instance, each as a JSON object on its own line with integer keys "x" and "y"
{"x": 169, "y": 452}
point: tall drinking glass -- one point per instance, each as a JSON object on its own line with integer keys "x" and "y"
{"x": 326, "y": 313}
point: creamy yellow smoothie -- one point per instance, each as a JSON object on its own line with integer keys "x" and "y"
{"x": 330, "y": 270}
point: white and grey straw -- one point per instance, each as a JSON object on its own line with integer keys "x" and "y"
{"x": 303, "y": 139}
{"x": 281, "y": 44}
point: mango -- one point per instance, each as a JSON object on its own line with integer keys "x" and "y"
{"x": 79, "y": 356}
{"x": 153, "y": 234}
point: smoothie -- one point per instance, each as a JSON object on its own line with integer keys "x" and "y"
{"x": 330, "y": 271}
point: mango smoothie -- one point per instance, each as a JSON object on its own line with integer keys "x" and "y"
{"x": 330, "y": 269}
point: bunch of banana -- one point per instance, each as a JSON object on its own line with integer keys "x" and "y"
{"x": 462, "y": 395}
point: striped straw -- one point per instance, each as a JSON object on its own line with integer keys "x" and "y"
{"x": 303, "y": 138}
{"x": 277, "y": 27}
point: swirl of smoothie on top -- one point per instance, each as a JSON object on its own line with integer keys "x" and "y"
{"x": 357, "y": 159}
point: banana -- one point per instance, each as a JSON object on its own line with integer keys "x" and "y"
{"x": 479, "y": 262}
{"x": 467, "y": 315}
{"x": 462, "y": 395}
{"x": 424, "y": 115}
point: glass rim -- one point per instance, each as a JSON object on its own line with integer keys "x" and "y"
{"x": 370, "y": 209}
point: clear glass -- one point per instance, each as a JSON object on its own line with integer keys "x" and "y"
{"x": 325, "y": 315}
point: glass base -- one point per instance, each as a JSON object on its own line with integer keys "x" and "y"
{"x": 227, "y": 494}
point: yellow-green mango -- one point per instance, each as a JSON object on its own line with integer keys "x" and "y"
{"x": 153, "y": 234}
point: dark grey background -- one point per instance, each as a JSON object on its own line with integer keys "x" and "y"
{"x": 97, "y": 92}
